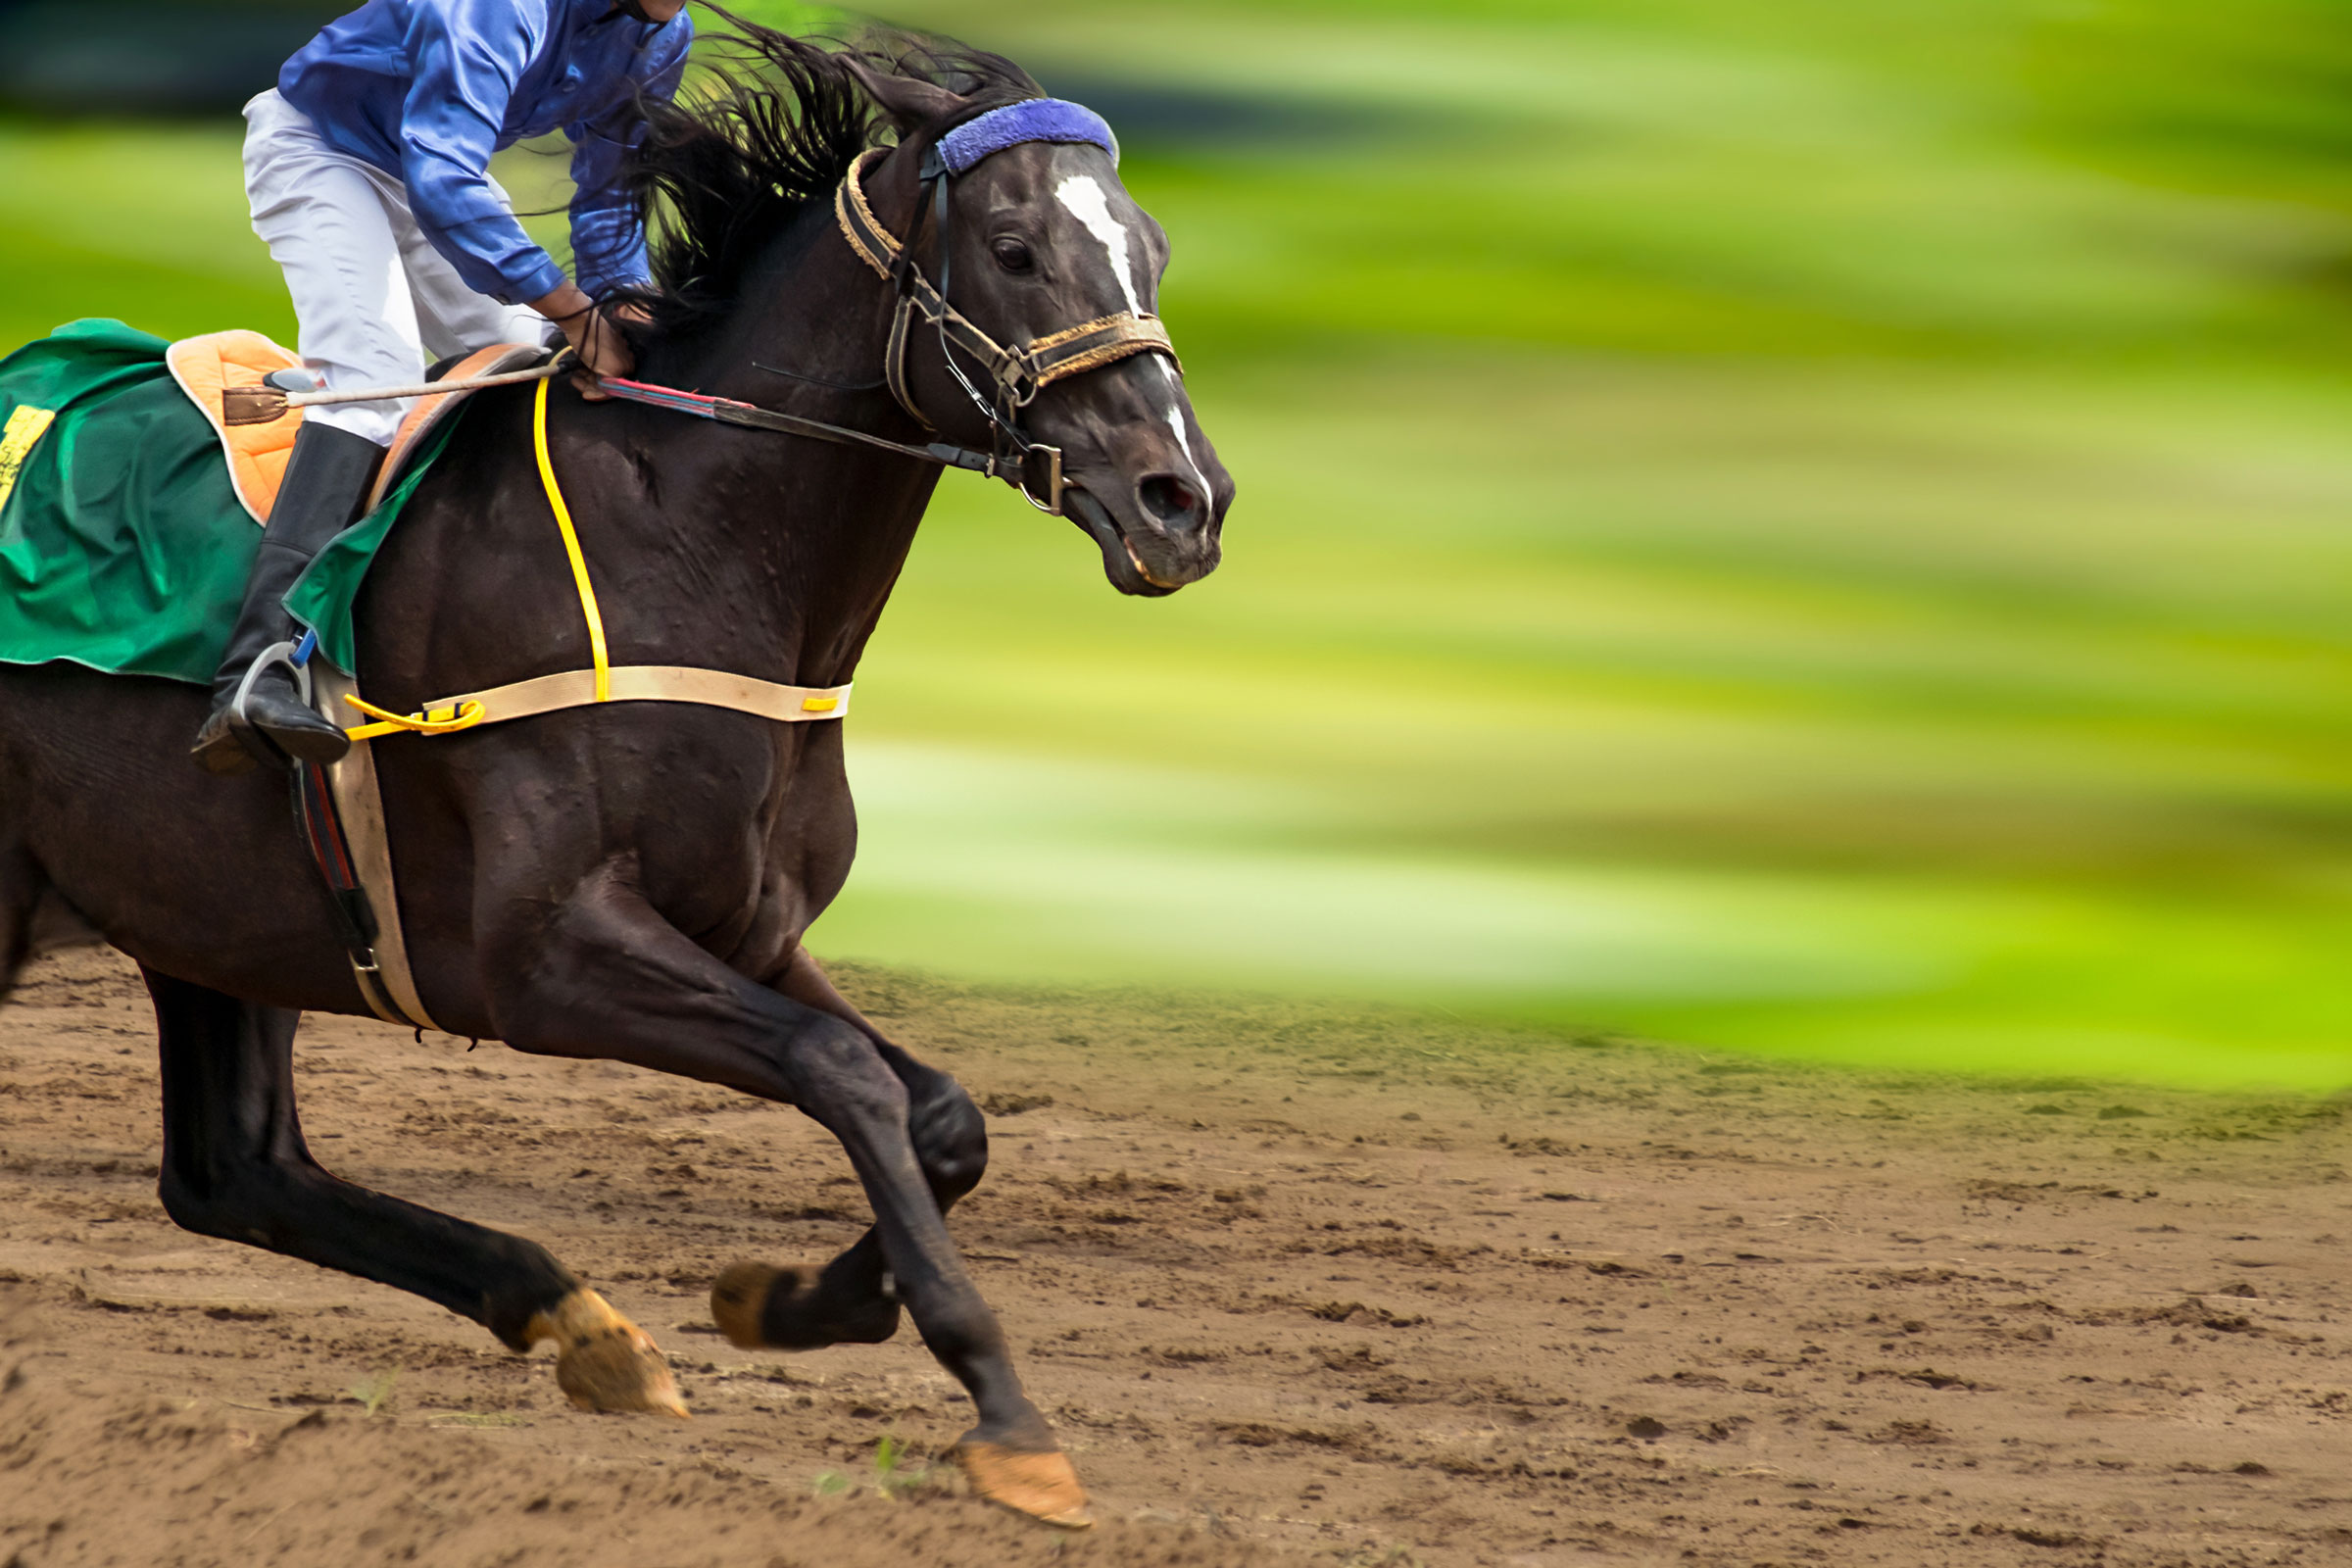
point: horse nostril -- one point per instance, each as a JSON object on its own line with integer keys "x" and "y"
{"x": 1170, "y": 501}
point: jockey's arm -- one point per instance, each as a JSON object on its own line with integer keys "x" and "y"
{"x": 469, "y": 55}
{"x": 466, "y": 57}
{"x": 608, "y": 234}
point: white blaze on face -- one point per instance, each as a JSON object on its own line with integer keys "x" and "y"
{"x": 1083, "y": 195}
{"x": 1175, "y": 419}
{"x": 1085, "y": 199}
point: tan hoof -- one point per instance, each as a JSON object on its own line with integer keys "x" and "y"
{"x": 737, "y": 1297}
{"x": 1042, "y": 1485}
{"x": 603, "y": 1360}
{"x": 763, "y": 1306}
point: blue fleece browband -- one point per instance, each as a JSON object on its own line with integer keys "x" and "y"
{"x": 1031, "y": 119}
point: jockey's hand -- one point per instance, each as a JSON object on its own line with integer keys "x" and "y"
{"x": 596, "y": 343}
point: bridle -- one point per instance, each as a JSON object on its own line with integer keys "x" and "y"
{"x": 1014, "y": 376}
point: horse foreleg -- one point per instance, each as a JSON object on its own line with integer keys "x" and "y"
{"x": 603, "y": 975}
{"x": 235, "y": 1166}
{"x": 852, "y": 1300}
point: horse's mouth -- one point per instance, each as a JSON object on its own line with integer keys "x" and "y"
{"x": 1145, "y": 571}
{"x": 1122, "y": 564}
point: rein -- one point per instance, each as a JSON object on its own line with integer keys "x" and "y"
{"x": 1017, "y": 375}
{"x": 752, "y": 417}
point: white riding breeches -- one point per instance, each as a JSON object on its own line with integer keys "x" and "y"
{"x": 374, "y": 302}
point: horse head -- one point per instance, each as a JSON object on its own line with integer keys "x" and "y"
{"x": 1041, "y": 238}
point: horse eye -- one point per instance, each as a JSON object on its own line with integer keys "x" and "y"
{"x": 1013, "y": 256}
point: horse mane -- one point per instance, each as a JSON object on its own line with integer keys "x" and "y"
{"x": 767, "y": 127}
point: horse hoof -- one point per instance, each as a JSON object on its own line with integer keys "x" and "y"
{"x": 1042, "y": 1485}
{"x": 736, "y": 1298}
{"x": 603, "y": 1361}
{"x": 761, "y": 1307}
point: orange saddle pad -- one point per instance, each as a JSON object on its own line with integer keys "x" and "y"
{"x": 206, "y": 367}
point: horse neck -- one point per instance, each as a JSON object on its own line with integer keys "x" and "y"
{"x": 795, "y": 542}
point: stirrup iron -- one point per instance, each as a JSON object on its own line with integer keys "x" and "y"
{"x": 294, "y": 656}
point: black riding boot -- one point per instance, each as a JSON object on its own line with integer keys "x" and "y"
{"x": 326, "y": 479}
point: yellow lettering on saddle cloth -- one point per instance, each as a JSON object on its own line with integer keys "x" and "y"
{"x": 24, "y": 427}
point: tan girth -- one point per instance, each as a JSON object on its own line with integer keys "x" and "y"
{"x": 625, "y": 683}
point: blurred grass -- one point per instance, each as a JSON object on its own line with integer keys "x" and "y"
{"x": 1817, "y": 528}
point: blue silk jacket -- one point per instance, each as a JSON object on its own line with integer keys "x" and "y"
{"x": 428, "y": 90}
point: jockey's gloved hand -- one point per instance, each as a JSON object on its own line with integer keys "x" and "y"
{"x": 596, "y": 338}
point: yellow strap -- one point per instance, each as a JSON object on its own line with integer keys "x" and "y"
{"x": 572, "y": 547}
{"x": 634, "y": 683}
{"x": 460, "y": 716}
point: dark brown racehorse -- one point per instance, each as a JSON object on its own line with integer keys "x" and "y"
{"x": 631, "y": 881}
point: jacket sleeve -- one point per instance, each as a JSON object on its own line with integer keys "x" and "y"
{"x": 468, "y": 55}
{"x": 607, "y": 234}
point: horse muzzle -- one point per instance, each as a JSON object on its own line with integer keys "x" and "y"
{"x": 1165, "y": 534}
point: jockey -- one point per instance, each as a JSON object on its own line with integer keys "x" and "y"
{"x": 367, "y": 173}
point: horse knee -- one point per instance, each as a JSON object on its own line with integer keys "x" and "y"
{"x": 950, "y": 1137}
{"x": 840, "y": 1079}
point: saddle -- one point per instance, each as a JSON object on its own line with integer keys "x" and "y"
{"x": 216, "y": 371}
{"x": 227, "y": 376}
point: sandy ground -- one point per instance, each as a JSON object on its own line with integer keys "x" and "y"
{"x": 1296, "y": 1287}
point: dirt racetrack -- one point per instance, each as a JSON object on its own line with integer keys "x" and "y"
{"x": 1296, "y": 1287}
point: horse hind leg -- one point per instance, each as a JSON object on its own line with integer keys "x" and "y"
{"x": 235, "y": 1166}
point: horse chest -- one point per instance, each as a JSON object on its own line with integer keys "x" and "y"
{"x": 749, "y": 867}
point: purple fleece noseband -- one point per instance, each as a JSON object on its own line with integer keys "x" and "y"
{"x": 1031, "y": 119}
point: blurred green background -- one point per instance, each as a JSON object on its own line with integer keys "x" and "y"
{"x": 1821, "y": 528}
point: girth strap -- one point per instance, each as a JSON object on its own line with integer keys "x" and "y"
{"x": 621, "y": 683}
{"x": 379, "y": 964}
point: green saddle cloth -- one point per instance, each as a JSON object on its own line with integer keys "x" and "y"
{"x": 123, "y": 545}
